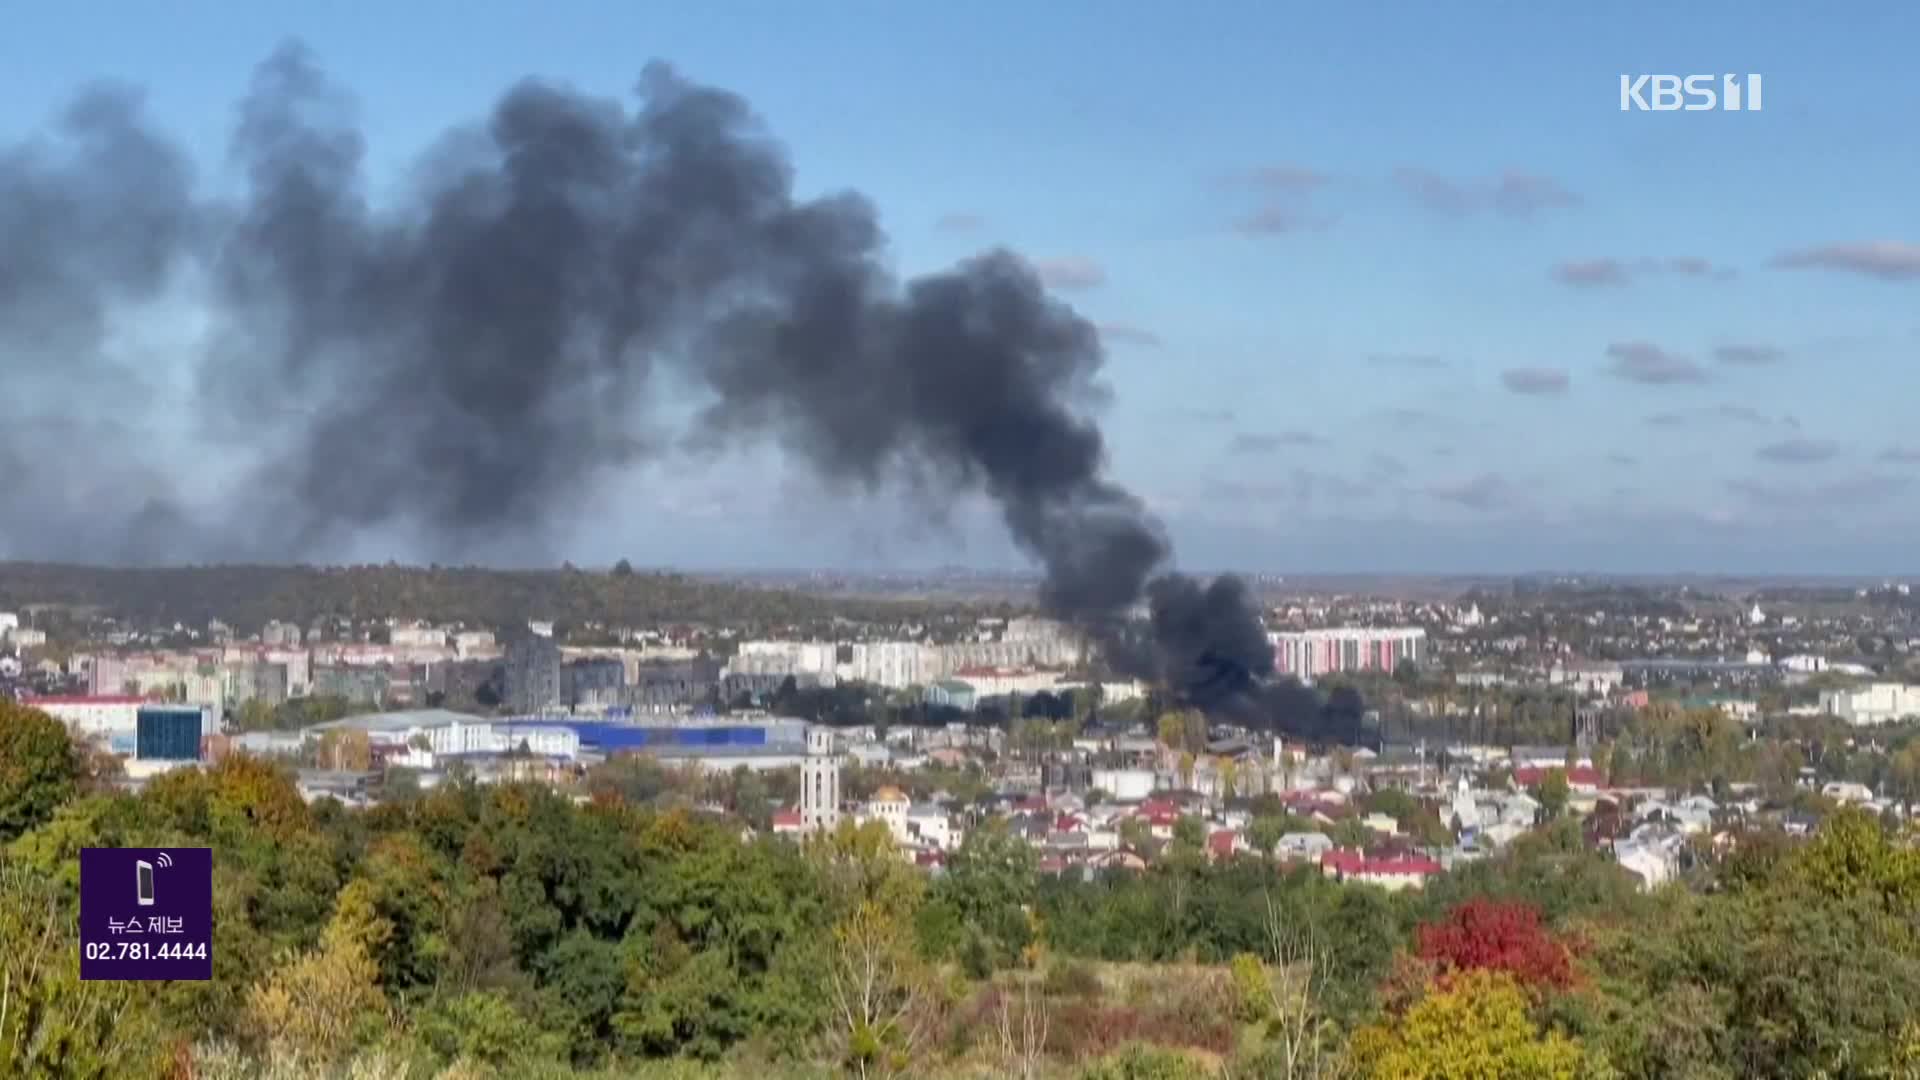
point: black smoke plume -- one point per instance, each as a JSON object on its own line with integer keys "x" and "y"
{"x": 466, "y": 360}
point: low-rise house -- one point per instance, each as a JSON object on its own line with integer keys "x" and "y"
{"x": 1118, "y": 859}
{"x": 1307, "y": 846}
{"x": 1392, "y": 873}
{"x": 870, "y": 754}
{"x": 1847, "y": 792}
{"x": 1652, "y": 854}
{"x": 1502, "y": 833}
{"x": 1688, "y": 816}
{"x": 1518, "y": 808}
{"x": 932, "y": 827}
{"x": 1225, "y": 844}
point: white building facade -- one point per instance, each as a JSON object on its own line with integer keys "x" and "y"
{"x": 1309, "y": 653}
{"x": 820, "y": 782}
{"x": 1880, "y": 703}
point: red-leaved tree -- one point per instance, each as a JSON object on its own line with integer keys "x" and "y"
{"x": 1482, "y": 934}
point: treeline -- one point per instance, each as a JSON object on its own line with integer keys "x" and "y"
{"x": 249, "y": 596}
{"x": 512, "y": 931}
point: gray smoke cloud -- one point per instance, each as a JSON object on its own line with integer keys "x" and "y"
{"x": 471, "y": 357}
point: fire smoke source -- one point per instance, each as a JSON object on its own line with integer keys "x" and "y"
{"x": 471, "y": 357}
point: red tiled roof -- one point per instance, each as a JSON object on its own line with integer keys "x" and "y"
{"x": 790, "y": 818}
{"x": 1221, "y": 842}
{"x": 1357, "y": 863}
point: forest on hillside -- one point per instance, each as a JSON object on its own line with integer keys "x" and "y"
{"x": 474, "y": 932}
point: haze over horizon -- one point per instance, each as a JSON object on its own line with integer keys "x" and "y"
{"x": 1462, "y": 315}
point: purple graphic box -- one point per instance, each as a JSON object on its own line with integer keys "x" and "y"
{"x": 146, "y": 913}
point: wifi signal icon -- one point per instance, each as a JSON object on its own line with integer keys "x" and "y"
{"x": 165, "y": 860}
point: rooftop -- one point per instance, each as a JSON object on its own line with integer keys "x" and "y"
{"x": 401, "y": 720}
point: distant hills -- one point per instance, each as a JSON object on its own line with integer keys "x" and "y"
{"x": 247, "y": 597}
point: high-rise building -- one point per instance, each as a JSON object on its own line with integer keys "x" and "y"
{"x": 819, "y": 781}
{"x": 592, "y": 680}
{"x": 533, "y": 674}
{"x": 1308, "y": 653}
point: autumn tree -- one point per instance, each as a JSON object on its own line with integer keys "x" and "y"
{"x": 1477, "y": 1027}
{"x": 1487, "y": 935}
{"x": 322, "y": 1003}
{"x": 880, "y": 992}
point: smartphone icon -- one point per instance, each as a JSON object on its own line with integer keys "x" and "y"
{"x": 145, "y": 886}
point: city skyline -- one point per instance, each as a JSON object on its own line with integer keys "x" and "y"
{"x": 1385, "y": 292}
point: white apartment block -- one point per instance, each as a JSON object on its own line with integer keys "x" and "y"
{"x": 784, "y": 658}
{"x": 1587, "y": 676}
{"x": 1880, "y": 703}
{"x": 470, "y": 643}
{"x": 893, "y": 664}
{"x": 995, "y": 682}
{"x": 93, "y": 714}
{"x": 417, "y": 636}
{"x": 1309, "y": 653}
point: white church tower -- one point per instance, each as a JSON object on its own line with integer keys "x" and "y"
{"x": 819, "y": 781}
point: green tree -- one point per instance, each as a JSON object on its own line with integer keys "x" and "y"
{"x": 1553, "y": 792}
{"x": 1350, "y": 833}
{"x": 1852, "y": 855}
{"x": 1172, "y": 729}
{"x": 1190, "y": 832}
{"x": 1264, "y": 833}
{"x": 990, "y": 884}
{"x": 51, "y": 1023}
{"x": 40, "y": 768}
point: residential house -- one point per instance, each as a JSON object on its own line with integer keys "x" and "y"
{"x": 1303, "y": 846}
{"x": 1392, "y": 873}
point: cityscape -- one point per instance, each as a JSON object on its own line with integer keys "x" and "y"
{"x": 667, "y": 542}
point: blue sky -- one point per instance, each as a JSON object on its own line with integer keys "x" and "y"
{"x": 1387, "y": 287}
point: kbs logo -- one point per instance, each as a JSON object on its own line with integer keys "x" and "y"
{"x": 1691, "y": 93}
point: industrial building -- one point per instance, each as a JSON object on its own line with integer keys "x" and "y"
{"x": 718, "y": 747}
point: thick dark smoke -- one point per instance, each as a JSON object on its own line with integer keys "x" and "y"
{"x": 467, "y": 360}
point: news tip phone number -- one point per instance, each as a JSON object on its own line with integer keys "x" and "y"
{"x": 141, "y": 950}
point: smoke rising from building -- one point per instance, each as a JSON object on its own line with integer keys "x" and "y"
{"x": 470, "y": 358}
